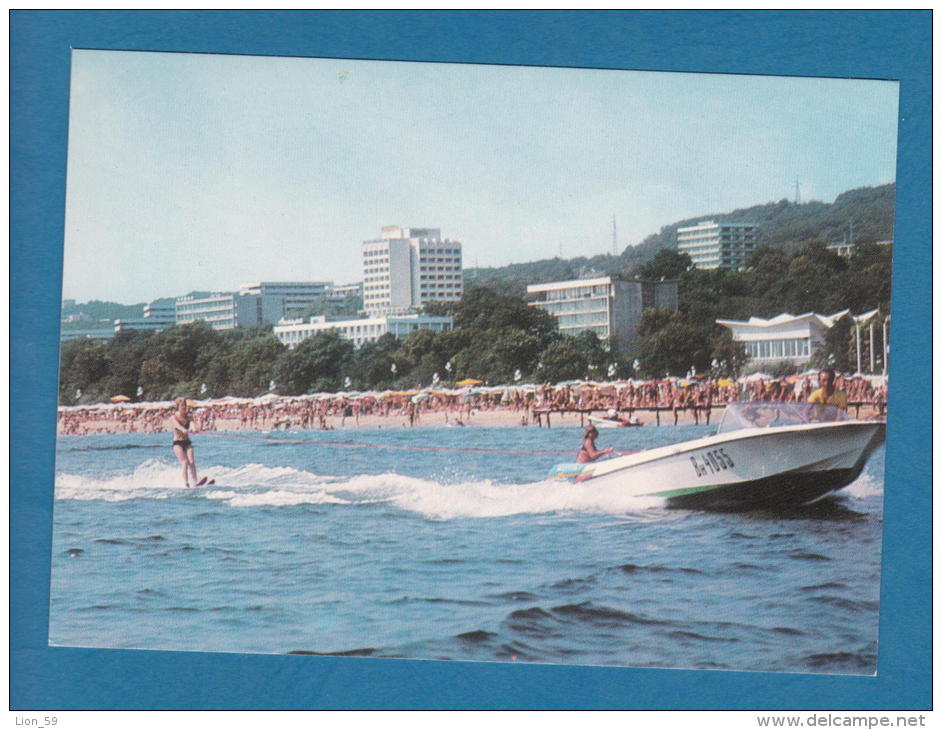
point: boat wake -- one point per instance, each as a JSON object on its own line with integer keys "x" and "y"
{"x": 257, "y": 485}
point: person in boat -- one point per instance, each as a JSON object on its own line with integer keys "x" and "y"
{"x": 588, "y": 452}
{"x": 179, "y": 425}
{"x": 828, "y": 394}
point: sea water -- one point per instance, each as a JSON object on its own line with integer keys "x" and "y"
{"x": 428, "y": 543}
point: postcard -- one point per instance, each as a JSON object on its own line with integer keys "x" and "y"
{"x": 500, "y": 364}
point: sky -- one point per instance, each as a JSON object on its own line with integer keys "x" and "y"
{"x": 203, "y": 172}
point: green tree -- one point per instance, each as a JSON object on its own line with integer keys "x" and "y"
{"x": 671, "y": 345}
{"x": 176, "y": 361}
{"x": 813, "y": 277}
{"x": 730, "y": 356}
{"x": 483, "y": 309}
{"x": 84, "y": 364}
{"x": 562, "y": 360}
{"x": 251, "y": 365}
{"x": 866, "y": 284}
{"x": 126, "y": 353}
{"x": 371, "y": 364}
{"x": 318, "y": 364}
{"x": 836, "y": 350}
{"x": 666, "y": 264}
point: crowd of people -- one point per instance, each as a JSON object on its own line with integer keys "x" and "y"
{"x": 528, "y": 403}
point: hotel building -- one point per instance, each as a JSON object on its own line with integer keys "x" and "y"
{"x": 408, "y": 267}
{"x": 290, "y": 297}
{"x": 221, "y": 311}
{"x": 106, "y": 333}
{"x": 156, "y": 318}
{"x": 342, "y": 292}
{"x": 605, "y": 305}
{"x": 784, "y": 337}
{"x": 255, "y": 304}
{"x": 713, "y": 245}
{"x": 360, "y": 331}
{"x": 847, "y": 248}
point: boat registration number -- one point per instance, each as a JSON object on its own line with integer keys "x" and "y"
{"x": 711, "y": 462}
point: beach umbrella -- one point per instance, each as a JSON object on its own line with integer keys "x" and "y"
{"x": 754, "y": 377}
{"x": 724, "y": 382}
{"x": 120, "y": 399}
{"x": 468, "y": 381}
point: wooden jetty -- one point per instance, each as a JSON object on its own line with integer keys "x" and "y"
{"x": 701, "y": 413}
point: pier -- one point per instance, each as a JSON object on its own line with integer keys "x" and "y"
{"x": 704, "y": 413}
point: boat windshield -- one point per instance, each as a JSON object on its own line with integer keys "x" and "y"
{"x": 762, "y": 414}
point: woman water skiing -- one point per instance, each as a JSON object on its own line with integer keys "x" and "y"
{"x": 179, "y": 424}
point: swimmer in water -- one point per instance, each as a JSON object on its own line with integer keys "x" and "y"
{"x": 179, "y": 424}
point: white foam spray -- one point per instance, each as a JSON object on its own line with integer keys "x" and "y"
{"x": 256, "y": 485}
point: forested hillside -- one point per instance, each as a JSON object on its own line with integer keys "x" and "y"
{"x": 865, "y": 214}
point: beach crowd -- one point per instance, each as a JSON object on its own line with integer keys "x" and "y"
{"x": 523, "y": 405}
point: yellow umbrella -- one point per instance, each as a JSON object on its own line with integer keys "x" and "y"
{"x": 468, "y": 381}
{"x": 724, "y": 382}
{"x": 120, "y": 399}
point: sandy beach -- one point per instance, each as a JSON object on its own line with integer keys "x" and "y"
{"x": 483, "y": 418}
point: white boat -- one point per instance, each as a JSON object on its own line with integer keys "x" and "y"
{"x": 762, "y": 455}
{"x": 612, "y": 420}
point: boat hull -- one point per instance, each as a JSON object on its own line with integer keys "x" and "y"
{"x": 776, "y": 492}
{"x": 753, "y": 468}
{"x": 608, "y": 423}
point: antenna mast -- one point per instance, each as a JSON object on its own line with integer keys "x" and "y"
{"x": 614, "y": 237}
{"x": 797, "y": 192}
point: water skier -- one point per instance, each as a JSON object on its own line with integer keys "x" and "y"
{"x": 179, "y": 424}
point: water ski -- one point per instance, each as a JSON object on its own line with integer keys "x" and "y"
{"x": 204, "y": 481}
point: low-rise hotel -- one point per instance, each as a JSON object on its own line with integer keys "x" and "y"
{"x": 221, "y": 311}
{"x": 255, "y": 304}
{"x": 605, "y": 305}
{"x": 784, "y": 337}
{"x": 156, "y": 317}
{"x": 290, "y": 297}
{"x": 342, "y": 292}
{"x": 359, "y": 331}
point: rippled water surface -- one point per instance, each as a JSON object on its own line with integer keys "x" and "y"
{"x": 357, "y": 543}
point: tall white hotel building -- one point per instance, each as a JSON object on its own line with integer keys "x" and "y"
{"x": 408, "y": 267}
{"x": 713, "y": 245}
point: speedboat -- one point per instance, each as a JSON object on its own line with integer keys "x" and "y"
{"x": 763, "y": 454}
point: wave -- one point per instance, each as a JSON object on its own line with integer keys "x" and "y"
{"x": 864, "y": 487}
{"x": 257, "y": 485}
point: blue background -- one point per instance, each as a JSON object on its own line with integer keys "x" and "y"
{"x": 883, "y": 45}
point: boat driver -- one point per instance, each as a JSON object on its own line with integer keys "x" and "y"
{"x": 828, "y": 394}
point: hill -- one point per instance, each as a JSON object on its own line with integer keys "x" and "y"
{"x": 865, "y": 213}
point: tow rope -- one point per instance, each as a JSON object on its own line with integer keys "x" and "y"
{"x": 399, "y": 447}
